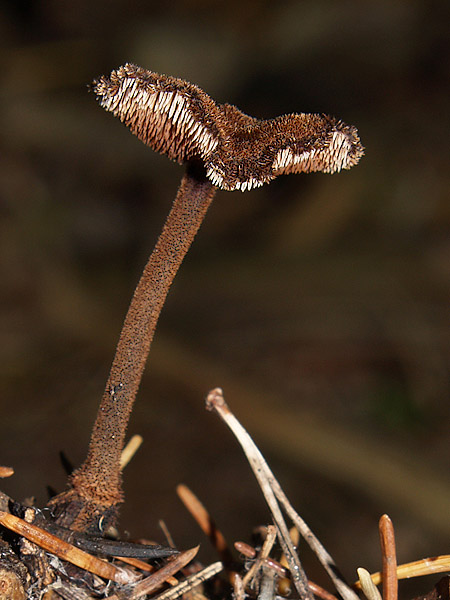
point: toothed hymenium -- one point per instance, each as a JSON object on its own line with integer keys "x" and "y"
{"x": 239, "y": 152}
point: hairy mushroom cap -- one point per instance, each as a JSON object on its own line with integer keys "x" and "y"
{"x": 239, "y": 152}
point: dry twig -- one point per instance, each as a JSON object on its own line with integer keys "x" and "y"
{"x": 267, "y": 586}
{"x": 143, "y": 566}
{"x": 166, "y": 533}
{"x": 215, "y": 401}
{"x": 64, "y": 550}
{"x": 205, "y": 522}
{"x": 366, "y": 584}
{"x": 190, "y": 582}
{"x": 389, "y": 557}
{"x": 238, "y": 587}
{"x": 157, "y": 579}
{"x": 261, "y": 558}
{"x": 272, "y": 492}
{"x": 417, "y": 568}
{"x": 250, "y": 552}
{"x": 130, "y": 450}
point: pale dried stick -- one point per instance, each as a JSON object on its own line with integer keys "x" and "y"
{"x": 215, "y": 401}
{"x": 279, "y": 567}
{"x": 267, "y": 587}
{"x": 130, "y": 450}
{"x": 387, "y": 541}
{"x": 284, "y": 585}
{"x": 263, "y": 473}
{"x": 190, "y": 582}
{"x": 157, "y": 579}
{"x": 366, "y": 584}
{"x": 417, "y": 568}
{"x": 263, "y": 555}
{"x": 166, "y": 533}
{"x": 295, "y": 537}
{"x": 205, "y": 522}
{"x": 314, "y": 543}
{"x": 143, "y": 566}
{"x": 238, "y": 587}
{"x": 250, "y": 552}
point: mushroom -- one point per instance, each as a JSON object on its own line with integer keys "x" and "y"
{"x": 222, "y": 148}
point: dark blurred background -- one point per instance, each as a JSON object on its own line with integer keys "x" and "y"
{"x": 319, "y": 303}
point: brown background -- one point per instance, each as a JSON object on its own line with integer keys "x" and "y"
{"x": 319, "y": 303}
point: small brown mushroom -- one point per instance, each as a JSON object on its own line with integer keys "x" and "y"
{"x": 238, "y": 152}
{"x": 222, "y": 148}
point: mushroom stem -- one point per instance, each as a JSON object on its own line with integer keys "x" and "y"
{"x": 97, "y": 482}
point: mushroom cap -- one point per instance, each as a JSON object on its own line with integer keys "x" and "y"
{"x": 179, "y": 119}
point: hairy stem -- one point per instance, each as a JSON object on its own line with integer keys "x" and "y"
{"x": 98, "y": 480}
